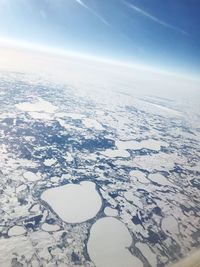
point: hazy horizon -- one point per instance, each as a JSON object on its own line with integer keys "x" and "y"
{"x": 159, "y": 35}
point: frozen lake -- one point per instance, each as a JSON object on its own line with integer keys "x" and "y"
{"x": 108, "y": 244}
{"x": 74, "y": 203}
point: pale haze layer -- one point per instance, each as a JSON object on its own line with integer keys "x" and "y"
{"x": 164, "y": 35}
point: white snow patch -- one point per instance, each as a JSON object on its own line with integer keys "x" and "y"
{"x": 147, "y": 144}
{"x": 160, "y": 179}
{"x": 140, "y": 176}
{"x": 49, "y": 162}
{"x": 31, "y": 176}
{"x": 91, "y": 123}
{"x": 21, "y": 188}
{"x": 68, "y": 157}
{"x": 169, "y": 224}
{"x": 50, "y": 227}
{"x": 41, "y": 116}
{"x": 115, "y": 153}
{"x": 16, "y": 230}
{"x": 110, "y": 212}
{"x": 147, "y": 253}
{"x": 131, "y": 197}
{"x": 74, "y": 116}
{"x": 39, "y": 106}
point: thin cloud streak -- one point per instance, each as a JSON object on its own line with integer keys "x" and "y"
{"x": 80, "y": 2}
{"x": 155, "y": 19}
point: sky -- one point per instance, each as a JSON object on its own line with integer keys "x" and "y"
{"x": 163, "y": 34}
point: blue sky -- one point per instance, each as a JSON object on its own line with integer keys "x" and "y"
{"x": 158, "y": 33}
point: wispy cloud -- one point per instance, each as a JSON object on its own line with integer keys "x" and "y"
{"x": 155, "y": 19}
{"x": 80, "y": 2}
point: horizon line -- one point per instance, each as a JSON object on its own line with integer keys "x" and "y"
{"x": 41, "y": 48}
